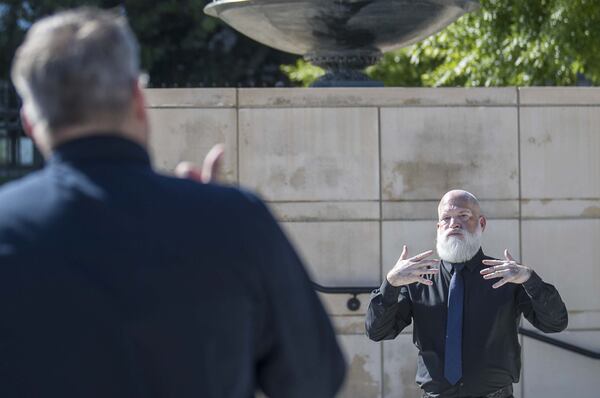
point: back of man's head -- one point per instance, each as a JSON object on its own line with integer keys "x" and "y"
{"x": 77, "y": 67}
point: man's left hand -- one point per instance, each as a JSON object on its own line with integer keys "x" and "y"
{"x": 508, "y": 269}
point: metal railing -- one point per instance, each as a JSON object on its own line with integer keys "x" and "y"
{"x": 354, "y": 304}
{"x": 559, "y": 343}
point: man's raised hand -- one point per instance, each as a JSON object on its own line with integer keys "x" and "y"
{"x": 210, "y": 167}
{"x": 508, "y": 269}
{"x": 411, "y": 270}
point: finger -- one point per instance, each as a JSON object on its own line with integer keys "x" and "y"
{"x": 424, "y": 281}
{"x": 493, "y": 269}
{"x": 421, "y": 256}
{"x": 486, "y": 270}
{"x": 493, "y": 262}
{"x": 189, "y": 170}
{"x": 508, "y": 256}
{"x": 497, "y": 274}
{"x": 212, "y": 163}
{"x": 404, "y": 253}
{"x": 430, "y": 271}
{"x": 424, "y": 264}
{"x": 428, "y": 261}
{"x": 420, "y": 268}
{"x": 501, "y": 282}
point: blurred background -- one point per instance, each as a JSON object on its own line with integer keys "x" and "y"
{"x": 505, "y": 43}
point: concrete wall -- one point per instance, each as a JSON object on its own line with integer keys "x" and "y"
{"x": 352, "y": 174}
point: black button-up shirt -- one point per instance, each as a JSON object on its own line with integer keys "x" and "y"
{"x": 491, "y": 350}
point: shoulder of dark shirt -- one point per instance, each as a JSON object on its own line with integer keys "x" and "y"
{"x": 16, "y": 194}
{"x": 26, "y": 198}
{"x": 232, "y": 209}
{"x": 25, "y": 182}
{"x": 223, "y": 196}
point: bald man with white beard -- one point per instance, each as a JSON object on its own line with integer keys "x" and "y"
{"x": 465, "y": 307}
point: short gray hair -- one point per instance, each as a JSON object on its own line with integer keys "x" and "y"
{"x": 77, "y": 67}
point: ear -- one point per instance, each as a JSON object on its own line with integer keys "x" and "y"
{"x": 26, "y": 124}
{"x": 40, "y": 138}
{"x": 139, "y": 103}
{"x": 482, "y": 222}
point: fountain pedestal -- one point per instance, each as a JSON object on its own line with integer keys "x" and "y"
{"x": 343, "y": 36}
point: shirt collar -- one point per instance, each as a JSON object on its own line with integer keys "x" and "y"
{"x": 101, "y": 147}
{"x": 471, "y": 264}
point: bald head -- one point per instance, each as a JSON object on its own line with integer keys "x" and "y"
{"x": 460, "y": 225}
{"x": 460, "y": 199}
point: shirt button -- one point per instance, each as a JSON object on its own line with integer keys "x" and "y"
{"x": 462, "y": 384}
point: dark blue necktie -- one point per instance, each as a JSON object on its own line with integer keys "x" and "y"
{"x": 453, "y": 356}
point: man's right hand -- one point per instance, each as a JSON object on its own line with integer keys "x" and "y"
{"x": 411, "y": 270}
{"x": 210, "y": 168}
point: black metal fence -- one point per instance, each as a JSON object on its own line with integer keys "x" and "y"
{"x": 18, "y": 155}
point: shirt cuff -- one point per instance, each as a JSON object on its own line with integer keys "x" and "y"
{"x": 533, "y": 285}
{"x": 389, "y": 292}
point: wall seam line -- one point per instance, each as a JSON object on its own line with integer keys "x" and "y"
{"x": 379, "y": 172}
{"x": 520, "y": 207}
{"x": 519, "y": 167}
{"x": 381, "y": 374}
{"x": 237, "y": 135}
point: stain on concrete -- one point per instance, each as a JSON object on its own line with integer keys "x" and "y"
{"x": 298, "y": 179}
{"x": 479, "y": 102}
{"x": 386, "y": 385}
{"x": 415, "y": 174}
{"x": 407, "y": 381}
{"x": 338, "y": 100}
{"x": 359, "y": 382}
{"x": 353, "y": 327}
{"x": 332, "y": 176}
{"x": 545, "y": 201}
{"x": 401, "y": 382}
{"x": 412, "y": 101}
{"x": 387, "y": 191}
{"x": 592, "y": 211}
{"x": 282, "y": 101}
{"x": 546, "y": 139}
{"x": 513, "y": 174}
{"x": 277, "y": 179}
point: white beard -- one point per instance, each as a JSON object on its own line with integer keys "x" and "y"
{"x": 455, "y": 250}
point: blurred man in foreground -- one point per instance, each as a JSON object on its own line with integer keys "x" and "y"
{"x": 116, "y": 281}
{"x": 466, "y": 309}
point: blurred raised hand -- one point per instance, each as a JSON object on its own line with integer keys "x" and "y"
{"x": 210, "y": 167}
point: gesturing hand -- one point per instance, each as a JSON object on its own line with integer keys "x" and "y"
{"x": 508, "y": 269}
{"x": 210, "y": 167}
{"x": 410, "y": 270}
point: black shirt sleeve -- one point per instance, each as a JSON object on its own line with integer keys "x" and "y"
{"x": 299, "y": 355}
{"x": 542, "y": 305}
{"x": 389, "y": 312}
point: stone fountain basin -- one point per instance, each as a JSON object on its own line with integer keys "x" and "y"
{"x": 333, "y": 26}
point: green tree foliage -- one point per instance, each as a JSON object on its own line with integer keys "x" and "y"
{"x": 180, "y": 45}
{"x": 505, "y": 43}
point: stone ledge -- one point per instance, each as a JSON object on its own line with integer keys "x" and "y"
{"x": 375, "y": 97}
{"x": 191, "y": 97}
{"x": 559, "y": 96}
